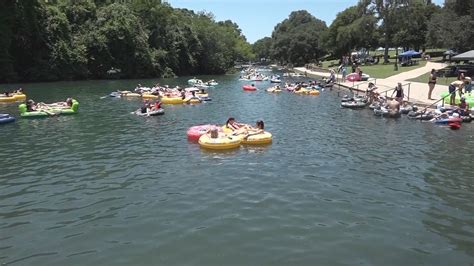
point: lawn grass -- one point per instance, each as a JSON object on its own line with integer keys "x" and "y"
{"x": 441, "y": 80}
{"x": 382, "y": 71}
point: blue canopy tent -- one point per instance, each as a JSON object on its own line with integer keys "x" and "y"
{"x": 405, "y": 57}
{"x": 410, "y": 53}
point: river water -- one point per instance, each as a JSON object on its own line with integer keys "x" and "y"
{"x": 336, "y": 186}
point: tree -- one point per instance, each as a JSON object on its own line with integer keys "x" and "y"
{"x": 262, "y": 48}
{"x": 298, "y": 39}
{"x": 353, "y": 28}
{"x": 451, "y": 26}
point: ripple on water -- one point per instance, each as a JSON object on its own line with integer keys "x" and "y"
{"x": 336, "y": 186}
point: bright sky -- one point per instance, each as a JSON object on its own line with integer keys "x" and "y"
{"x": 257, "y": 18}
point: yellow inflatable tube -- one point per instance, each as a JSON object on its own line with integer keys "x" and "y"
{"x": 129, "y": 94}
{"x": 223, "y": 142}
{"x": 314, "y": 92}
{"x": 171, "y": 100}
{"x": 14, "y": 98}
{"x": 301, "y": 91}
{"x": 259, "y": 139}
{"x": 150, "y": 96}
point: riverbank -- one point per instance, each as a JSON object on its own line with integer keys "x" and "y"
{"x": 415, "y": 92}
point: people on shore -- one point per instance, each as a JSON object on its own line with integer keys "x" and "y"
{"x": 467, "y": 85}
{"x": 398, "y": 92}
{"x": 455, "y": 85}
{"x": 432, "y": 83}
{"x": 370, "y": 92}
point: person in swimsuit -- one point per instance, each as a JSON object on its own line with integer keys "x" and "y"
{"x": 455, "y": 85}
{"x": 398, "y": 91}
{"x": 432, "y": 83}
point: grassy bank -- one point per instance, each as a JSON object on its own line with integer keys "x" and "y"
{"x": 441, "y": 81}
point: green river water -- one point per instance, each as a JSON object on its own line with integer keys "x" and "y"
{"x": 336, "y": 186}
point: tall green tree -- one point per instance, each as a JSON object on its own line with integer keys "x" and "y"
{"x": 354, "y": 28}
{"x": 452, "y": 26}
{"x": 298, "y": 39}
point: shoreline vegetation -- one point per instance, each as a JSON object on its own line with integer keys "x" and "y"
{"x": 66, "y": 40}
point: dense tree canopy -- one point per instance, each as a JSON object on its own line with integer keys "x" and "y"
{"x": 452, "y": 26}
{"x": 415, "y": 24}
{"x": 353, "y": 28}
{"x": 77, "y": 39}
{"x": 298, "y": 39}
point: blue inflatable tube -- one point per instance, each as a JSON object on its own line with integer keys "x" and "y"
{"x": 6, "y": 118}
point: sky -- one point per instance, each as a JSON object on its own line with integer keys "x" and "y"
{"x": 257, "y": 18}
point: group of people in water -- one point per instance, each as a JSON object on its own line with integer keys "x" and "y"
{"x": 32, "y": 106}
{"x": 149, "y": 107}
{"x": 239, "y": 128}
{"x": 10, "y": 93}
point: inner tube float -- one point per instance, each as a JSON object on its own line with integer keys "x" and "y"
{"x": 129, "y": 94}
{"x": 448, "y": 120}
{"x": 420, "y": 115}
{"x": 353, "y": 104}
{"x": 353, "y": 77}
{"x": 314, "y": 92}
{"x": 56, "y": 111}
{"x": 387, "y": 113}
{"x": 273, "y": 89}
{"x": 222, "y": 142}
{"x": 160, "y": 111}
{"x": 171, "y": 100}
{"x": 454, "y": 125}
{"x": 149, "y": 96}
{"x": 195, "y": 132}
{"x": 301, "y": 91}
{"x": 466, "y": 119}
{"x": 6, "y": 118}
{"x": 13, "y": 98}
{"x": 192, "y": 100}
{"x": 115, "y": 94}
{"x": 258, "y": 139}
{"x": 249, "y": 88}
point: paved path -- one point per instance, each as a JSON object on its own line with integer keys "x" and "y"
{"x": 418, "y": 92}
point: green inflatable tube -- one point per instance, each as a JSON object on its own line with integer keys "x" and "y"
{"x": 469, "y": 98}
{"x": 37, "y": 114}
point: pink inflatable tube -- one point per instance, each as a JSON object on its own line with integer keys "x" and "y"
{"x": 195, "y": 132}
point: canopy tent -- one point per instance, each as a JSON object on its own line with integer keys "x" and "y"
{"x": 469, "y": 55}
{"x": 409, "y": 53}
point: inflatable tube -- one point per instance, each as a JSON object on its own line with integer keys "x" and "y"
{"x": 386, "y": 113}
{"x": 129, "y": 94}
{"x": 353, "y": 77}
{"x": 259, "y": 139}
{"x": 353, "y": 105}
{"x": 160, "y": 111}
{"x": 454, "y": 125}
{"x": 445, "y": 121}
{"x": 195, "y": 132}
{"x": 223, "y": 142}
{"x": 249, "y": 88}
{"x": 466, "y": 119}
{"x": 301, "y": 91}
{"x": 64, "y": 111}
{"x": 115, "y": 94}
{"x": 150, "y": 96}
{"x": 6, "y": 118}
{"x": 314, "y": 92}
{"x": 13, "y": 98}
{"x": 171, "y": 100}
{"x": 273, "y": 89}
{"x": 192, "y": 100}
